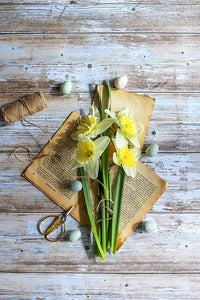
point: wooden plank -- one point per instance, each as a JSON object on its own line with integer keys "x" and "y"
{"x": 174, "y": 121}
{"x": 67, "y": 49}
{"x": 169, "y": 107}
{"x": 96, "y": 3}
{"x": 181, "y": 171}
{"x": 26, "y": 249}
{"x": 28, "y": 63}
{"x": 161, "y": 77}
{"x": 98, "y": 287}
{"x": 93, "y": 16}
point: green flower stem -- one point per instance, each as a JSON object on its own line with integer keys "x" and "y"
{"x": 100, "y": 102}
{"x": 86, "y": 191}
{"x": 117, "y": 209}
{"x": 103, "y": 225}
{"x": 109, "y": 204}
{"x": 105, "y": 167}
{"x": 99, "y": 235}
{"x": 109, "y": 92}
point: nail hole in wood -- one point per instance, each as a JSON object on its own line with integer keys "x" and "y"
{"x": 153, "y": 132}
{"x": 89, "y": 66}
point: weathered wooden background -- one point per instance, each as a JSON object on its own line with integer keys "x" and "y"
{"x": 155, "y": 43}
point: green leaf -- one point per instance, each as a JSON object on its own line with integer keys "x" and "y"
{"x": 86, "y": 191}
{"x": 100, "y": 102}
{"x": 109, "y": 92}
{"x": 117, "y": 209}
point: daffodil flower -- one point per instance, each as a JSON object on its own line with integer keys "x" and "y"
{"x": 88, "y": 153}
{"x": 126, "y": 157}
{"x": 91, "y": 126}
{"x": 129, "y": 130}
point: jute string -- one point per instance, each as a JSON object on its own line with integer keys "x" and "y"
{"x": 33, "y": 157}
{"x": 25, "y": 106}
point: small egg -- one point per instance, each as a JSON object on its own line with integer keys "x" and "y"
{"x": 66, "y": 87}
{"x": 152, "y": 150}
{"x": 75, "y": 186}
{"x": 149, "y": 226}
{"x": 74, "y": 235}
{"x": 121, "y": 82}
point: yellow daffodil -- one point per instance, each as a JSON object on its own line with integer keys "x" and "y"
{"x": 88, "y": 153}
{"x": 128, "y": 129}
{"x": 126, "y": 157}
{"x": 91, "y": 126}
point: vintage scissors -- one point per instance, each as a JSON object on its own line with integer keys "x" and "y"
{"x": 59, "y": 221}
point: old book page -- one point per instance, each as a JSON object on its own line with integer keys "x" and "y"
{"x": 140, "y": 194}
{"x": 51, "y": 175}
{"x": 141, "y": 106}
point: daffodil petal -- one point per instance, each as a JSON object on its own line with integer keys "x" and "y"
{"x": 139, "y": 128}
{"x": 115, "y": 160}
{"x": 75, "y": 165}
{"x": 114, "y": 142}
{"x": 92, "y": 168}
{"x": 101, "y": 144}
{"x": 82, "y": 137}
{"x": 136, "y": 152}
{"x": 101, "y": 127}
{"x": 135, "y": 141}
{"x": 110, "y": 113}
{"x": 124, "y": 111}
{"x": 130, "y": 171}
{"x": 93, "y": 110}
{"x": 121, "y": 140}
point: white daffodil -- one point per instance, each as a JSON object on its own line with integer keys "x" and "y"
{"x": 129, "y": 130}
{"x": 91, "y": 126}
{"x": 126, "y": 157}
{"x": 88, "y": 153}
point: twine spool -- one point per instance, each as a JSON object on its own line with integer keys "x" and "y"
{"x": 25, "y": 106}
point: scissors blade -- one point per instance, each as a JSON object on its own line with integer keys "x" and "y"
{"x": 68, "y": 212}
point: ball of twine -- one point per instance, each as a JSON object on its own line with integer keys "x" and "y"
{"x": 25, "y": 106}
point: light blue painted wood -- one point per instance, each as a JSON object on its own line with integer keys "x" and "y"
{"x": 165, "y": 64}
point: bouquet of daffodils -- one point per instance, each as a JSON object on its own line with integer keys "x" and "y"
{"x": 96, "y": 137}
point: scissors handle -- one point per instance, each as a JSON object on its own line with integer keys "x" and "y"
{"x": 56, "y": 224}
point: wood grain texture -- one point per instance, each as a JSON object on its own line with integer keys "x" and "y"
{"x": 181, "y": 171}
{"x": 26, "y": 249}
{"x": 159, "y": 63}
{"x": 98, "y": 287}
{"x": 85, "y": 3}
{"x": 155, "y": 43}
{"x": 174, "y": 121}
{"x": 100, "y": 16}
